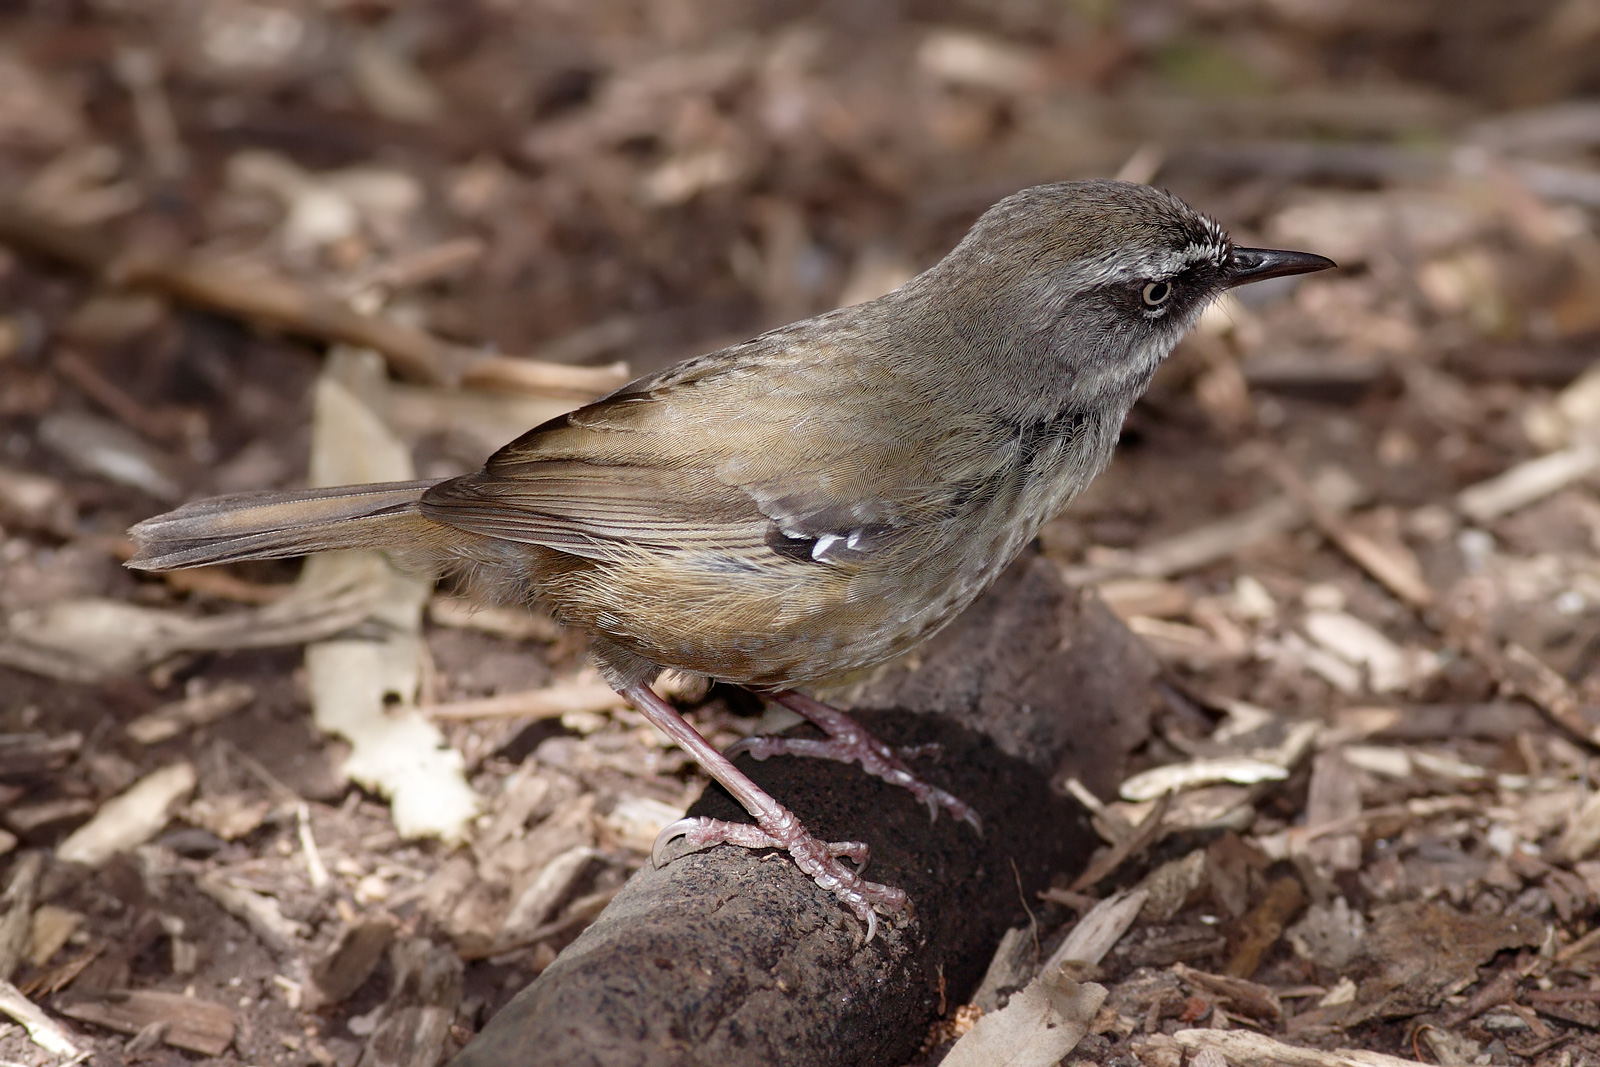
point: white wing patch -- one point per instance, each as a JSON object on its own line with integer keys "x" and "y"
{"x": 830, "y": 547}
{"x": 849, "y": 543}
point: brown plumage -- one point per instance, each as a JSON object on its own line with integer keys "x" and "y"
{"x": 789, "y": 510}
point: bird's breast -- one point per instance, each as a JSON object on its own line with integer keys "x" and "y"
{"x": 815, "y": 604}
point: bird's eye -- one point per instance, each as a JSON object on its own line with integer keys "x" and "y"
{"x": 1155, "y": 293}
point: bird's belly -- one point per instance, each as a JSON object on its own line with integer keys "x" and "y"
{"x": 761, "y": 629}
{"x": 785, "y": 623}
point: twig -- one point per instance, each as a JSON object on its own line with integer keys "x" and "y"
{"x": 281, "y": 792}
{"x": 1532, "y": 678}
{"x": 42, "y": 1030}
{"x": 1579, "y": 947}
{"x": 1226, "y": 537}
{"x": 139, "y": 70}
{"x": 1245, "y": 1049}
{"x": 1527, "y": 483}
{"x": 1149, "y": 832}
{"x": 213, "y": 581}
{"x": 276, "y": 302}
{"x": 512, "y": 374}
{"x": 316, "y": 870}
{"x": 579, "y": 912}
{"x": 422, "y": 266}
{"x": 164, "y": 426}
{"x": 1396, "y": 574}
{"x": 1561, "y": 996}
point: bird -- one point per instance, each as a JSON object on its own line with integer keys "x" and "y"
{"x": 794, "y": 509}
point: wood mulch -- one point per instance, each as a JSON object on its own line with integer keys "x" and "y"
{"x": 1346, "y": 563}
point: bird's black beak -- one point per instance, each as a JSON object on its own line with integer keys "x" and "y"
{"x": 1258, "y": 264}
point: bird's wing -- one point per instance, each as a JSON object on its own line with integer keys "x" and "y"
{"x": 594, "y": 510}
{"x": 765, "y": 447}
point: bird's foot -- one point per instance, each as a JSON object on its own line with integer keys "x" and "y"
{"x": 850, "y": 742}
{"x": 775, "y": 827}
{"x": 822, "y": 860}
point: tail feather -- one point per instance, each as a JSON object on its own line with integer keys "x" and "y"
{"x": 273, "y": 525}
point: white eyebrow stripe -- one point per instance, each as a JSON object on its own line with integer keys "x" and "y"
{"x": 1162, "y": 264}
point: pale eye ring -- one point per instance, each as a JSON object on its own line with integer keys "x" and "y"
{"x": 1155, "y": 293}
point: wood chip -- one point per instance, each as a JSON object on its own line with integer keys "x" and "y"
{"x": 1495, "y": 721}
{"x": 366, "y": 690}
{"x": 1148, "y": 832}
{"x": 196, "y": 709}
{"x": 1334, "y": 797}
{"x": 53, "y": 927}
{"x": 1175, "y": 777}
{"x": 16, "y": 911}
{"x": 32, "y": 501}
{"x": 30, "y": 819}
{"x": 1530, "y": 676}
{"x": 30, "y": 754}
{"x": 415, "y": 1023}
{"x": 1393, "y": 564}
{"x": 539, "y": 899}
{"x": 130, "y": 819}
{"x": 347, "y": 966}
{"x": 42, "y": 1030}
{"x": 1099, "y": 930}
{"x": 92, "y": 639}
{"x": 1581, "y": 837}
{"x": 258, "y": 911}
{"x": 1334, "y": 489}
{"x": 1527, "y": 482}
{"x": 1241, "y": 995}
{"x": 1038, "y": 1027}
{"x": 1388, "y": 667}
{"x": 541, "y": 378}
{"x": 189, "y": 1022}
{"x": 108, "y": 450}
{"x": 1263, "y": 925}
{"x": 1015, "y": 961}
{"x": 1153, "y": 597}
{"x": 1245, "y": 1049}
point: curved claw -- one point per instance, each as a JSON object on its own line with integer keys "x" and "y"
{"x": 816, "y": 858}
{"x": 669, "y": 832}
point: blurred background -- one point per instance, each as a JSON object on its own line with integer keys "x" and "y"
{"x": 1350, "y": 500}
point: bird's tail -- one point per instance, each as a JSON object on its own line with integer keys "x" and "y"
{"x": 225, "y": 529}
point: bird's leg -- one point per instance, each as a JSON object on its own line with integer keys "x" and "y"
{"x": 848, "y": 741}
{"x": 776, "y": 826}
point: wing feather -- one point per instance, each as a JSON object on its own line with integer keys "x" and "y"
{"x": 684, "y": 460}
{"x": 599, "y": 512}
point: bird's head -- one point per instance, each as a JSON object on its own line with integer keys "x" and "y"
{"x": 1092, "y": 282}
